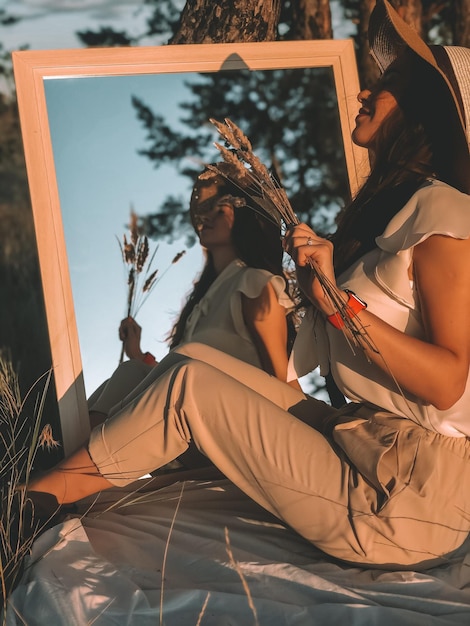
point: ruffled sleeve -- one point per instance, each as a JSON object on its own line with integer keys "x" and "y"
{"x": 251, "y": 284}
{"x": 435, "y": 209}
{"x": 253, "y": 281}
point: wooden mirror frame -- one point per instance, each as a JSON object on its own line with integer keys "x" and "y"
{"x": 32, "y": 68}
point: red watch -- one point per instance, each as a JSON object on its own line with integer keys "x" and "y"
{"x": 353, "y": 306}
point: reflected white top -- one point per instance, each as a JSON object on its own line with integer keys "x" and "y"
{"x": 217, "y": 320}
{"x": 381, "y": 279}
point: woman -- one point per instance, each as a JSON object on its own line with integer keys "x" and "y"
{"x": 385, "y": 481}
{"x": 238, "y": 305}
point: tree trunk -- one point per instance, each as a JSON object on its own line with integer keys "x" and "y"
{"x": 461, "y": 22}
{"x": 411, "y": 11}
{"x": 311, "y": 19}
{"x": 228, "y": 21}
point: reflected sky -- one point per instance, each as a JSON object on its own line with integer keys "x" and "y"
{"x": 95, "y": 135}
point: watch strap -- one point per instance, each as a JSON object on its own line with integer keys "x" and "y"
{"x": 352, "y": 307}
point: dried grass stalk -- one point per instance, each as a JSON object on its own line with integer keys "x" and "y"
{"x": 20, "y": 438}
{"x": 238, "y": 569}
{"x": 140, "y": 276}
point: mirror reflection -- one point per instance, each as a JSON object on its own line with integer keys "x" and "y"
{"x": 108, "y": 139}
{"x": 101, "y": 178}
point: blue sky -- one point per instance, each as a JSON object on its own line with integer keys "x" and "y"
{"x": 50, "y": 24}
{"x": 95, "y": 137}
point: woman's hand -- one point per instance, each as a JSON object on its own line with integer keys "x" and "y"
{"x": 305, "y": 247}
{"x": 130, "y": 334}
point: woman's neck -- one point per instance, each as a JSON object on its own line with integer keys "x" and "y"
{"x": 222, "y": 257}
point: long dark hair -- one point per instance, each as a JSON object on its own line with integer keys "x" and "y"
{"x": 401, "y": 164}
{"x": 257, "y": 242}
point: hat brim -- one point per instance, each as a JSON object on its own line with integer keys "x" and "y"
{"x": 389, "y": 36}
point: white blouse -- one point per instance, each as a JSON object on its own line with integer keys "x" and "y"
{"x": 217, "y": 320}
{"x": 381, "y": 278}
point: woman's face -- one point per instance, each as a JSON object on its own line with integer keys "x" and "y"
{"x": 375, "y": 108}
{"x": 215, "y": 226}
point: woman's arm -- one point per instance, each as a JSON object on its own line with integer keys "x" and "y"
{"x": 265, "y": 318}
{"x": 130, "y": 334}
{"x": 434, "y": 369}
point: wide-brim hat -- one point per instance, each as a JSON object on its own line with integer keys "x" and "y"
{"x": 389, "y": 37}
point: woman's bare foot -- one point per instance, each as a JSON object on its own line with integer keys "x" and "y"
{"x": 73, "y": 479}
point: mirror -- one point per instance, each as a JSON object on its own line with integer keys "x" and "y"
{"x": 82, "y": 140}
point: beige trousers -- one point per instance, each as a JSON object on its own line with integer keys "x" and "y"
{"x": 123, "y": 381}
{"x": 403, "y": 501}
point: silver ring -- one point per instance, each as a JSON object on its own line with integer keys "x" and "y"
{"x": 309, "y": 241}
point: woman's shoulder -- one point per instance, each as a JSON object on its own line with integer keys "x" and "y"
{"x": 253, "y": 280}
{"x": 434, "y": 190}
{"x": 435, "y": 208}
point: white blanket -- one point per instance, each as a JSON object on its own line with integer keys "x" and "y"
{"x": 200, "y": 552}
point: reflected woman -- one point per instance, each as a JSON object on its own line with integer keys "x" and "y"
{"x": 239, "y": 305}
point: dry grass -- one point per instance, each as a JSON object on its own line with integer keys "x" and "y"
{"x": 238, "y": 569}
{"x": 165, "y": 554}
{"x": 20, "y": 439}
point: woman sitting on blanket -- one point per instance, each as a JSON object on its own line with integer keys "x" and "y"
{"x": 384, "y": 481}
{"x": 238, "y": 305}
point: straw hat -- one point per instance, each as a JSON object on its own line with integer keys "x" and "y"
{"x": 448, "y": 69}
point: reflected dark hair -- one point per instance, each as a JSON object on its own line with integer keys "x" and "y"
{"x": 257, "y": 241}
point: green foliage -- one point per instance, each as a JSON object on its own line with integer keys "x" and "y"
{"x": 161, "y": 23}
{"x": 7, "y": 19}
{"x": 105, "y": 37}
{"x": 165, "y": 17}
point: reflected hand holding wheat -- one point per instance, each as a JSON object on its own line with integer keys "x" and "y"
{"x": 130, "y": 334}
{"x": 141, "y": 278}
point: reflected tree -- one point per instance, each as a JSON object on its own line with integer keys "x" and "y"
{"x": 292, "y": 120}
